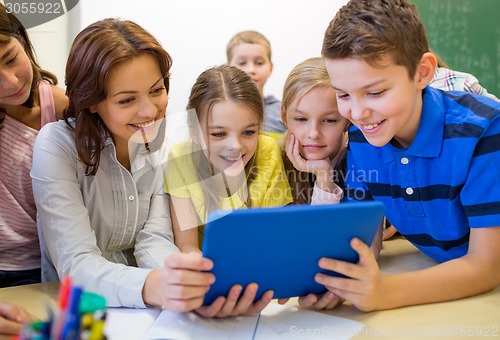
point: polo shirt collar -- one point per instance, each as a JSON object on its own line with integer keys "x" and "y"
{"x": 429, "y": 139}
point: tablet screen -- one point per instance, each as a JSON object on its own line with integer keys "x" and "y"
{"x": 279, "y": 248}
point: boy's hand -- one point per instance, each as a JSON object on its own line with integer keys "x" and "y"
{"x": 363, "y": 286}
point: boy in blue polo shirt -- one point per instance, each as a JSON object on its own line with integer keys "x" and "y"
{"x": 432, "y": 157}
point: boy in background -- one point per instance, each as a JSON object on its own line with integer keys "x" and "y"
{"x": 436, "y": 156}
{"x": 251, "y": 52}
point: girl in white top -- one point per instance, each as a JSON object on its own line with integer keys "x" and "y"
{"x": 29, "y": 98}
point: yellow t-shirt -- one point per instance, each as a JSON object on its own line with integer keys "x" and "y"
{"x": 269, "y": 187}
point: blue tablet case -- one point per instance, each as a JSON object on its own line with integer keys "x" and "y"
{"x": 279, "y": 248}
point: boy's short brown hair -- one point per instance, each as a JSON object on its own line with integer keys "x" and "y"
{"x": 370, "y": 29}
{"x": 247, "y": 37}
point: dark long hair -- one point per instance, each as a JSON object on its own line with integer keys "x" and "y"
{"x": 11, "y": 27}
{"x": 94, "y": 52}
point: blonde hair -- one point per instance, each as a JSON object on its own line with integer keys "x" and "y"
{"x": 303, "y": 78}
{"x": 306, "y": 76}
{"x": 247, "y": 37}
{"x": 440, "y": 61}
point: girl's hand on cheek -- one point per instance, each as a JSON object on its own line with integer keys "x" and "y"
{"x": 292, "y": 151}
{"x": 316, "y": 167}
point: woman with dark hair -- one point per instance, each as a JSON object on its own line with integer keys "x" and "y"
{"x": 97, "y": 175}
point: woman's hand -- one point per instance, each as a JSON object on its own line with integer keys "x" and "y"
{"x": 183, "y": 282}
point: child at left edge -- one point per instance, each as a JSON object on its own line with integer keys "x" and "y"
{"x": 29, "y": 99}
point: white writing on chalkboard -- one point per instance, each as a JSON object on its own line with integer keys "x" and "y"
{"x": 466, "y": 34}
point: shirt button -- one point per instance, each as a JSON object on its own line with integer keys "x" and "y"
{"x": 131, "y": 197}
{"x": 404, "y": 160}
{"x": 409, "y": 191}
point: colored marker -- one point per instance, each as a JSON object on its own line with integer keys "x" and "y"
{"x": 91, "y": 302}
{"x": 62, "y": 303}
{"x": 71, "y": 329}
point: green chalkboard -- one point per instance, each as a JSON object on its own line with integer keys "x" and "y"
{"x": 466, "y": 35}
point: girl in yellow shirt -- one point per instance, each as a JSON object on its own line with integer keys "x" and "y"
{"x": 227, "y": 164}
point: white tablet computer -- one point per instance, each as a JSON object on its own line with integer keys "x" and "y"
{"x": 279, "y": 248}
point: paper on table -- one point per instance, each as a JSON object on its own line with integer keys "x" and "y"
{"x": 128, "y": 323}
{"x": 184, "y": 326}
{"x": 276, "y": 322}
{"x": 286, "y": 322}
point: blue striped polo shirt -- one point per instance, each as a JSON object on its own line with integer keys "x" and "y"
{"x": 445, "y": 183}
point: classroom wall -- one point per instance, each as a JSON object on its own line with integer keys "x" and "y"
{"x": 195, "y": 33}
{"x": 52, "y": 41}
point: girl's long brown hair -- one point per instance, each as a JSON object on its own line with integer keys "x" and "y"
{"x": 11, "y": 27}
